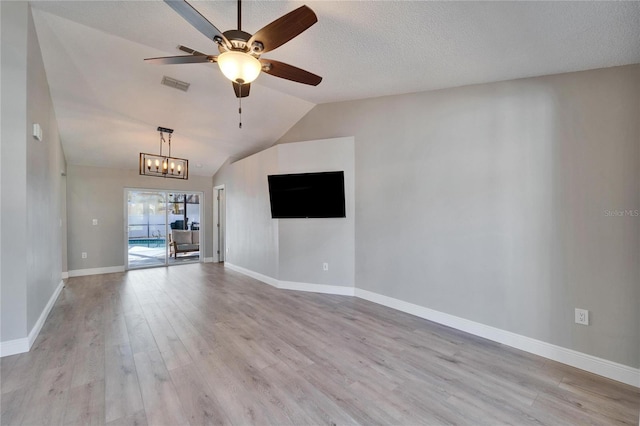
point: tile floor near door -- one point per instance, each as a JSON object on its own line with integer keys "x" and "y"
{"x": 198, "y": 344}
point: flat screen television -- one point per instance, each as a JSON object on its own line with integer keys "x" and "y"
{"x": 307, "y": 195}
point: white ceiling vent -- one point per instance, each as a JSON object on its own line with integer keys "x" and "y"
{"x": 176, "y": 84}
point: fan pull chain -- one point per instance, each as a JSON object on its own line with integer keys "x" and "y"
{"x": 240, "y": 112}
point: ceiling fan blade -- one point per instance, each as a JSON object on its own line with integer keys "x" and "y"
{"x": 190, "y": 51}
{"x": 242, "y": 90}
{"x": 189, "y": 59}
{"x": 284, "y": 29}
{"x": 289, "y": 72}
{"x": 199, "y": 22}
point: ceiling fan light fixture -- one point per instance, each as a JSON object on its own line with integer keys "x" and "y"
{"x": 239, "y": 67}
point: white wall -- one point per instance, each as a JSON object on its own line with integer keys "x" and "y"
{"x": 490, "y": 202}
{"x": 290, "y": 250}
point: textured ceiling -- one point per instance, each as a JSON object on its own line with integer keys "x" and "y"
{"x": 108, "y": 102}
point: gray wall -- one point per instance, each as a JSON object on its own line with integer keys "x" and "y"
{"x": 252, "y": 236}
{"x": 63, "y": 215}
{"x": 493, "y": 203}
{"x": 31, "y": 181}
{"x": 305, "y": 244}
{"x": 42, "y": 219}
{"x": 289, "y": 249}
{"x": 14, "y": 168}
{"x": 98, "y": 193}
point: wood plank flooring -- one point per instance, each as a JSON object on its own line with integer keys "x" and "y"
{"x": 198, "y": 344}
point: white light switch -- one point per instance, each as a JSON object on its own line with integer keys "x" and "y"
{"x": 95, "y": 221}
{"x": 37, "y": 131}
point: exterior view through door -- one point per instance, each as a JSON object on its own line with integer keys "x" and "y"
{"x": 163, "y": 227}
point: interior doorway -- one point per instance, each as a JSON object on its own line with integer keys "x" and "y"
{"x": 219, "y": 222}
{"x": 162, "y": 227}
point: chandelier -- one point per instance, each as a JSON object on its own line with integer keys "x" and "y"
{"x": 164, "y": 165}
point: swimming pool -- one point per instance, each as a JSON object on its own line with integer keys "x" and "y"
{"x": 147, "y": 242}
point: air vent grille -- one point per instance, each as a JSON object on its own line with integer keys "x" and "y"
{"x": 176, "y": 84}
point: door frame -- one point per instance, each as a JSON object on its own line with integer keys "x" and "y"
{"x": 167, "y": 251}
{"x": 219, "y": 232}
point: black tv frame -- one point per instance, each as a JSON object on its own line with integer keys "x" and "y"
{"x": 305, "y": 195}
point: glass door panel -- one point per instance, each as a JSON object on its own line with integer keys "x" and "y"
{"x": 184, "y": 227}
{"x": 146, "y": 229}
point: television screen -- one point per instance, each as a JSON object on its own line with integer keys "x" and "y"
{"x": 307, "y": 195}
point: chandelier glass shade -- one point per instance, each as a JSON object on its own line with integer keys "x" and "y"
{"x": 239, "y": 67}
{"x": 165, "y": 166}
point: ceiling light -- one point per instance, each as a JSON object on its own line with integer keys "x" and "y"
{"x": 162, "y": 165}
{"x": 239, "y": 67}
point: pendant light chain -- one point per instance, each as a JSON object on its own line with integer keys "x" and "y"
{"x": 240, "y": 98}
{"x": 161, "y": 141}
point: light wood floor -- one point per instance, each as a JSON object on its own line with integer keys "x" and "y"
{"x": 198, "y": 344}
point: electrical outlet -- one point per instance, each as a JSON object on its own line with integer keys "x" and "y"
{"x": 95, "y": 221}
{"x": 582, "y": 316}
{"x": 84, "y": 254}
{"x": 325, "y": 266}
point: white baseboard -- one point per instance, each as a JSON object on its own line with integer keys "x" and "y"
{"x": 208, "y": 260}
{"x": 33, "y": 334}
{"x": 96, "y": 271}
{"x": 612, "y": 370}
{"x": 252, "y": 274}
{"x": 316, "y": 288}
{"x": 292, "y": 285}
{"x": 602, "y": 367}
{"x": 13, "y": 347}
{"x": 65, "y": 275}
{"x": 18, "y": 346}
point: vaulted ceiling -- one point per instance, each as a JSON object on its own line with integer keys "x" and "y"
{"x": 108, "y": 101}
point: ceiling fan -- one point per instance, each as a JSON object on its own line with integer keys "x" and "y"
{"x": 239, "y": 58}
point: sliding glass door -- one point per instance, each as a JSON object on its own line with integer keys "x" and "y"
{"x": 162, "y": 227}
{"x": 183, "y": 215}
{"x": 147, "y": 229}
